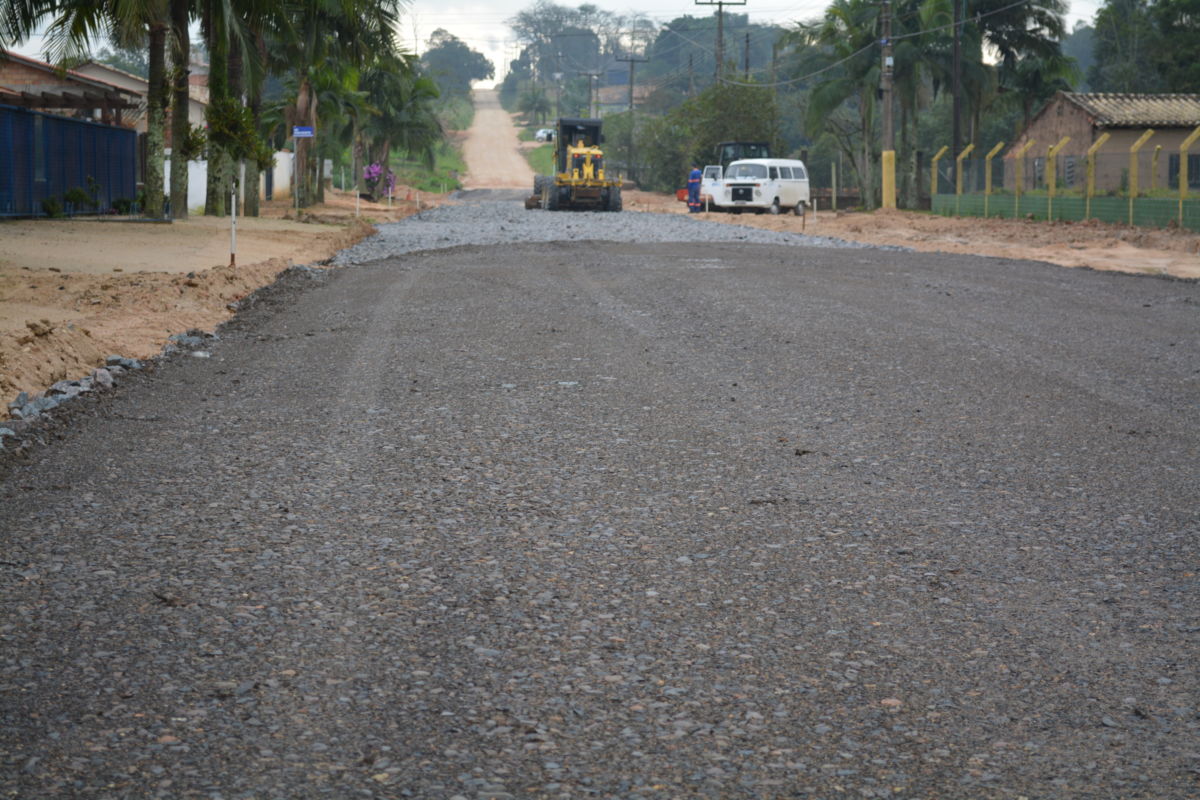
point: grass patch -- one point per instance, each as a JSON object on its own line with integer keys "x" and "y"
{"x": 541, "y": 159}
{"x": 456, "y": 111}
{"x": 444, "y": 177}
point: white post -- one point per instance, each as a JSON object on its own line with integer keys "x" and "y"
{"x": 233, "y": 229}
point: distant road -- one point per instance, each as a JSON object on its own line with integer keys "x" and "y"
{"x": 492, "y": 150}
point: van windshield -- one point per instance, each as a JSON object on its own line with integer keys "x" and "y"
{"x": 744, "y": 171}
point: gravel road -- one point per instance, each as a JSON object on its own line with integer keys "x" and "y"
{"x": 631, "y": 519}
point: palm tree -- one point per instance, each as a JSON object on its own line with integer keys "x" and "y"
{"x": 321, "y": 33}
{"x": 401, "y": 115}
{"x": 847, "y": 33}
{"x": 180, "y": 38}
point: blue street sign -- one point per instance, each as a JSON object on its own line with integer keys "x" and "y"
{"x": 302, "y": 132}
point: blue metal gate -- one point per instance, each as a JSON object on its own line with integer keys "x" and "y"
{"x": 43, "y": 156}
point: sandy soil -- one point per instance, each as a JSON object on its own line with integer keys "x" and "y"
{"x": 492, "y": 150}
{"x": 73, "y": 292}
{"x": 1092, "y": 244}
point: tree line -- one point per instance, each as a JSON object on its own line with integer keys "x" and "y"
{"x": 332, "y": 65}
{"x": 813, "y": 87}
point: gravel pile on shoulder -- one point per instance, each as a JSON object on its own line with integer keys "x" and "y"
{"x": 508, "y": 223}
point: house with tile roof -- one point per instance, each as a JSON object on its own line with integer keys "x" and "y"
{"x": 1125, "y": 117}
{"x": 138, "y": 84}
{"x": 29, "y": 83}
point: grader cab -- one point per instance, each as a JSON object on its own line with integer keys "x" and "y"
{"x": 579, "y": 180}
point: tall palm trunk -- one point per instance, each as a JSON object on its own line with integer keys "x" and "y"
{"x": 237, "y": 92}
{"x": 219, "y": 169}
{"x": 156, "y": 120}
{"x": 255, "y": 100}
{"x": 305, "y": 112}
{"x": 180, "y": 125}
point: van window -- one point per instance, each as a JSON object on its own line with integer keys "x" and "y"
{"x": 744, "y": 171}
{"x": 799, "y": 173}
{"x": 774, "y": 173}
{"x": 785, "y": 173}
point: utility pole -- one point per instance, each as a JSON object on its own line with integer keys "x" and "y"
{"x": 720, "y": 49}
{"x": 691, "y": 78}
{"x": 746, "y": 58}
{"x": 592, "y": 76}
{"x": 885, "y": 77}
{"x": 632, "y": 60}
{"x": 956, "y": 82}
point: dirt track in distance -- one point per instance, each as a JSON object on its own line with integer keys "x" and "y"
{"x": 493, "y": 157}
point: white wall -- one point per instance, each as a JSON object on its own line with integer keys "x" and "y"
{"x": 198, "y": 178}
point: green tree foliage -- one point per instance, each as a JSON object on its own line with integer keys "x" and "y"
{"x": 127, "y": 59}
{"x": 1146, "y": 46}
{"x": 1178, "y": 60}
{"x": 669, "y": 145}
{"x": 566, "y": 40}
{"x": 450, "y": 62}
{"x": 682, "y": 53}
{"x": 535, "y": 103}
{"x": 1127, "y": 44}
{"x": 1080, "y": 45}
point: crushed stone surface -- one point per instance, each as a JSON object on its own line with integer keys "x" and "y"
{"x": 622, "y": 519}
{"x": 486, "y": 221}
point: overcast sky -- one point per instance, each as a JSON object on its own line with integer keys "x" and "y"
{"x": 482, "y": 25}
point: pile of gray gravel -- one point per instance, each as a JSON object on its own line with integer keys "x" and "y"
{"x": 507, "y": 222}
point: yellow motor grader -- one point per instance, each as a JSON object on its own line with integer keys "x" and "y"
{"x": 579, "y": 180}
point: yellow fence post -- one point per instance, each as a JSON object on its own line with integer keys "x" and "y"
{"x": 958, "y": 175}
{"x": 1052, "y": 175}
{"x": 1154, "y": 168}
{"x": 1133, "y": 168}
{"x": 933, "y": 181}
{"x": 1183, "y": 168}
{"x": 1091, "y": 173}
{"x": 1019, "y": 169}
{"x": 987, "y": 177}
{"x": 889, "y": 178}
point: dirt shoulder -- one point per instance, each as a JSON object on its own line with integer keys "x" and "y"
{"x": 1092, "y": 244}
{"x": 73, "y": 292}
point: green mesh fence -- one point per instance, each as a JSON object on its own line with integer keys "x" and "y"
{"x": 1154, "y": 212}
{"x": 1156, "y": 178}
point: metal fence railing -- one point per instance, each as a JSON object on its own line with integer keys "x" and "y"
{"x": 1140, "y": 186}
{"x": 58, "y": 166}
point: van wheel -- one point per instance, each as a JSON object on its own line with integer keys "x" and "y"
{"x": 799, "y": 209}
{"x": 775, "y": 207}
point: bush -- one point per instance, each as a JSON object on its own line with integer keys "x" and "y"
{"x": 122, "y": 205}
{"x": 52, "y": 206}
{"x": 78, "y": 197}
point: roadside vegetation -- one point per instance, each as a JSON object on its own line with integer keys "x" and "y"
{"x": 335, "y": 71}
{"x": 810, "y": 87}
{"x": 541, "y": 159}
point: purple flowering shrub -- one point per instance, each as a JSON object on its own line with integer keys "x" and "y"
{"x": 380, "y": 180}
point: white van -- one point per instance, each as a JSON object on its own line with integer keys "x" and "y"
{"x": 762, "y": 184}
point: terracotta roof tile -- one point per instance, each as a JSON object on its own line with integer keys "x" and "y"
{"x": 1139, "y": 110}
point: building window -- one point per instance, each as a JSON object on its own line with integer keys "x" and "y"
{"x": 1193, "y": 171}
